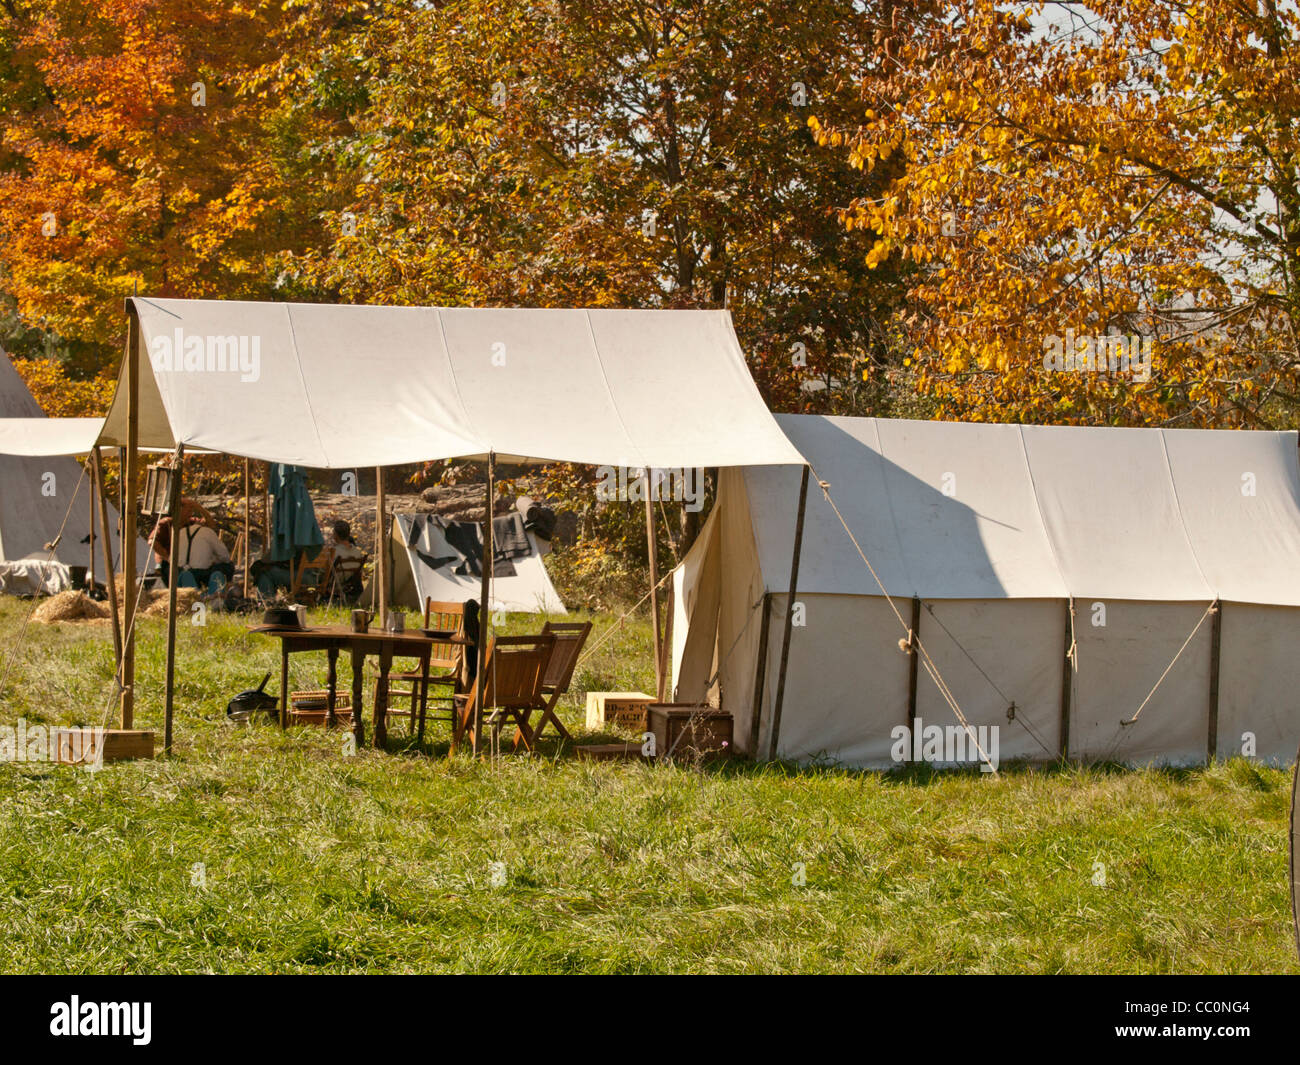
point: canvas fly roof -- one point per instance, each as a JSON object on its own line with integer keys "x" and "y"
{"x": 948, "y": 510}
{"x": 348, "y": 386}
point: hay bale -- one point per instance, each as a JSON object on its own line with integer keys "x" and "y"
{"x": 157, "y": 608}
{"x": 69, "y": 606}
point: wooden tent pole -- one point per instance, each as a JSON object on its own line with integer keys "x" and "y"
{"x": 121, "y": 498}
{"x": 248, "y": 524}
{"x": 760, "y": 679}
{"x": 90, "y": 569}
{"x": 111, "y": 579}
{"x": 652, "y": 553}
{"x": 381, "y": 546}
{"x": 131, "y": 476}
{"x": 1216, "y": 643}
{"x": 913, "y": 672}
{"x": 1067, "y": 680}
{"x": 485, "y": 597}
{"x": 665, "y": 666}
{"x": 789, "y": 615}
{"x": 173, "y": 512}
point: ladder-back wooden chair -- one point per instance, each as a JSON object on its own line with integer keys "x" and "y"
{"x": 570, "y": 636}
{"x": 446, "y": 670}
{"x": 510, "y": 687}
{"x": 343, "y": 572}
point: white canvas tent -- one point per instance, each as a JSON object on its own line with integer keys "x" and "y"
{"x": 417, "y": 543}
{"x": 1010, "y": 545}
{"x": 44, "y": 495}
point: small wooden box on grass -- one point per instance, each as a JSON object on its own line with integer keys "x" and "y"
{"x": 610, "y": 752}
{"x": 617, "y": 710}
{"x": 81, "y": 746}
{"x": 688, "y": 730}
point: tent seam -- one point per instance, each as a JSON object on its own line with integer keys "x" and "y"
{"x": 1042, "y": 521}
{"x": 591, "y": 332}
{"x": 1182, "y": 522}
{"x": 455, "y": 381}
{"x": 297, "y": 361}
{"x": 893, "y": 514}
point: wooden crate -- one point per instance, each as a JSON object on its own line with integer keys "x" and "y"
{"x": 617, "y": 709}
{"x": 685, "y": 731}
{"x": 610, "y": 752}
{"x": 79, "y": 746}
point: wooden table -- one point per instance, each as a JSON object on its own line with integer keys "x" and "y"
{"x": 415, "y": 643}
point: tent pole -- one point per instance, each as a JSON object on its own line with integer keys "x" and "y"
{"x": 90, "y": 569}
{"x": 789, "y": 615}
{"x": 381, "y": 546}
{"x": 111, "y": 578}
{"x": 266, "y": 511}
{"x": 485, "y": 592}
{"x": 760, "y": 679}
{"x": 173, "y": 512}
{"x": 913, "y": 670}
{"x": 248, "y": 524}
{"x": 1067, "y": 679}
{"x": 121, "y": 498}
{"x": 652, "y": 553}
{"x": 1216, "y": 637}
{"x": 665, "y": 666}
{"x": 131, "y": 477}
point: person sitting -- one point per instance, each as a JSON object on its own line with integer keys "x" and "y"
{"x": 202, "y": 560}
{"x": 348, "y": 559}
{"x": 272, "y": 577}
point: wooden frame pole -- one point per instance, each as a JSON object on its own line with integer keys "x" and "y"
{"x": 173, "y": 512}
{"x": 381, "y": 546}
{"x": 789, "y": 616}
{"x": 485, "y": 600}
{"x": 90, "y": 569}
{"x": 652, "y": 554}
{"x": 760, "y": 679}
{"x": 248, "y": 523}
{"x": 130, "y": 478}
{"x": 913, "y": 671}
{"x": 1067, "y": 680}
{"x": 109, "y": 568}
{"x": 1216, "y": 639}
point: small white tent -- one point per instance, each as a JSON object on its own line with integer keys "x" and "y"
{"x": 1061, "y": 579}
{"x": 425, "y": 567}
{"x": 43, "y": 499}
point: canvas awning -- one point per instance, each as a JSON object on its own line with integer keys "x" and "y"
{"x": 41, "y": 437}
{"x": 348, "y": 386}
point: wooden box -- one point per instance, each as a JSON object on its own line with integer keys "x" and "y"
{"x": 617, "y": 710}
{"x": 80, "y": 746}
{"x": 610, "y": 752}
{"x": 686, "y": 731}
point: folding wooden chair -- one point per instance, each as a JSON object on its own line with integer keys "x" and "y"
{"x": 321, "y": 566}
{"x": 341, "y": 573}
{"x": 510, "y": 686}
{"x": 569, "y": 639}
{"x": 445, "y": 668}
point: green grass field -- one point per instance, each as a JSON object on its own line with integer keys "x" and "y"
{"x": 256, "y": 851}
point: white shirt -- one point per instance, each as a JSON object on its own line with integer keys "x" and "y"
{"x": 199, "y": 547}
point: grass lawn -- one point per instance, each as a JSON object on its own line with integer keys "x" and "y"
{"x": 256, "y": 851}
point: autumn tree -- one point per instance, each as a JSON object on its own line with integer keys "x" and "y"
{"x": 1067, "y": 172}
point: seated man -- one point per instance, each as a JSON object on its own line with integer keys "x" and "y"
{"x": 348, "y": 559}
{"x": 202, "y": 560}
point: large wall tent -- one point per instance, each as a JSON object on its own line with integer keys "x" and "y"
{"x": 44, "y": 497}
{"x": 1065, "y": 581}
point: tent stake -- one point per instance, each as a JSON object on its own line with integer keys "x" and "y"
{"x": 1216, "y": 634}
{"x": 130, "y": 478}
{"x": 174, "y": 538}
{"x": 652, "y": 554}
{"x": 97, "y": 465}
{"x": 789, "y": 616}
{"x": 913, "y": 670}
{"x": 760, "y": 678}
{"x": 485, "y": 592}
